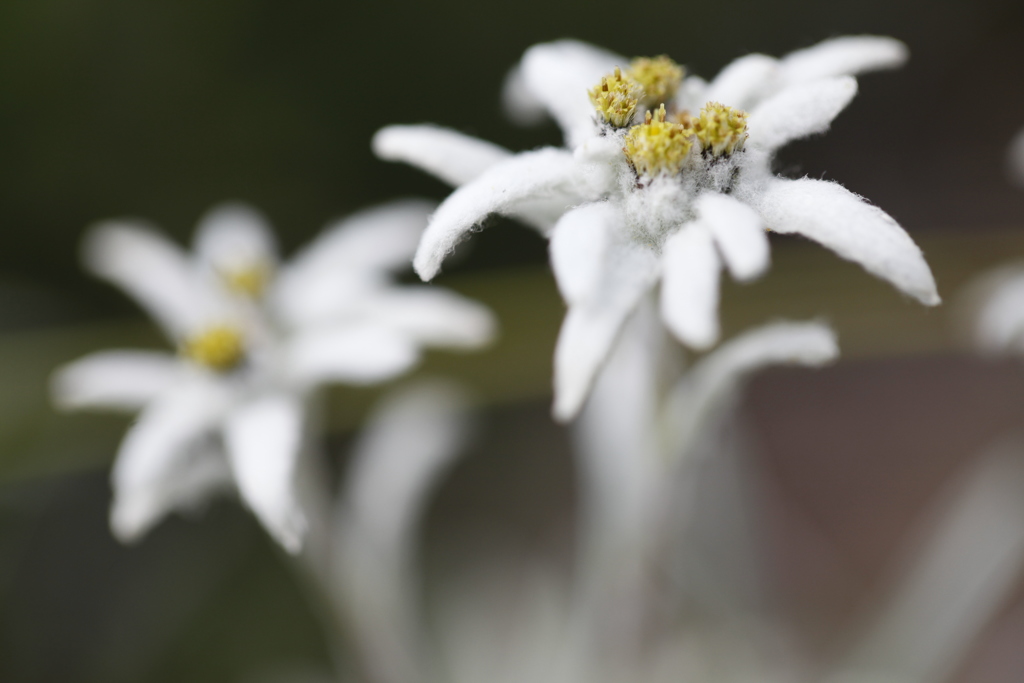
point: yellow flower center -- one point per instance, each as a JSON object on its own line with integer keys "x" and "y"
{"x": 658, "y": 146}
{"x": 660, "y": 78}
{"x": 250, "y": 281}
{"x": 721, "y": 130}
{"x": 615, "y": 98}
{"x": 218, "y": 348}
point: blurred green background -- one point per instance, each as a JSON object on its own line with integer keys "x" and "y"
{"x": 161, "y": 108}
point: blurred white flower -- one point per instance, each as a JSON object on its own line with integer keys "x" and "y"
{"x": 1015, "y": 158}
{"x": 674, "y": 198}
{"x": 254, "y": 339}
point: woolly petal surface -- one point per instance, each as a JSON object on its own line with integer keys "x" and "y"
{"x": 579, "y": 242}
{"x": 742, "y": 82}
{"x": 433, "y": 316}
{"x": 160, "y": 449}
{"x": 689, "y": 286}
{"x": 525, "y": 176}
{"x": 738, "y": 232}
{"x": 114, "y": 380}
{"x": 453, "y": 157}
{"x": 591, "y": 325}
{"x": 235, "y": 236}
{"x": 833, "y": 216}
{"x": 155, "y": 272}
{"x": 264, "y": 442}
{"x": 708, "y": 385}
{"x": 349, "y": 354}
{"x": 799, "y": 111}
{"x": 846, "y": 55}
{"x": 560, "y": 74}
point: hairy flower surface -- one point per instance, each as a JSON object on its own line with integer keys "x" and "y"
{"x": 255, "y": 338}
{"x": 672, "y": 199}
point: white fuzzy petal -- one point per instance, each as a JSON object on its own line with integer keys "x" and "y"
{"x": 432, "y": 316}
{"x": 738, "y": 232}
{"x": 799, "y": 111}
{"x": 453, "y": 157}
{"x": 115, "y": 380}
{"x": 689, "y": 286}
{"x": 234, "y": 237}
{"x": 578, "y": 246}
{"x": 349, "y": 354}
{"x": 1015, "y": 159}
{"x": 158, "y": 452}
{"x": 692, "y": 95}
{"x": 846, "y": 55}
{"x": 519, "y": 103}
{"x": 155, "y": 272}
{"x": 526, "y": 176}
{"x": 743, "y": 81}
{"x": 840, "y": 220}
{"x": 559, "y": 74}
{"x": 591, "y": 326}
{"x": 264, "y": 442}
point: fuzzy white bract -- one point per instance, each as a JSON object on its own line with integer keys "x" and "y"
{"x": 662, "y": 179}
{"x": 255, "y": 338}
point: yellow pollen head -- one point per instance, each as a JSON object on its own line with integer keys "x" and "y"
{"x": 660, "y": 78}
{"x": 615, "y": 98}
{"x": 250, "y": 281}
{"x": 218, "y": 348}
{"x": 721, "y": 130}
{"x": 658, "y": 146}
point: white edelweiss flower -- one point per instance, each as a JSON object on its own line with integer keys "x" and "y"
{"x": 255, "y": 338}
{"x": 674, "y": 198}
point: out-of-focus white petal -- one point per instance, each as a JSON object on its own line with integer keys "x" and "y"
{"x": 578, "y": 246}
{"x": 453, "y": 157}
{"x": 996, "y": 315}
{"x": 708, "y": 385}
{"x": 349, "y": 354}
{"x": 526, "y": 176}
{"x": 742, "y": 82}
{"x": 845, "y": 55}
{"x": 692, "y": 94}
{"x": 432, "y": 316}
{"x": 799, "y": 111}
{"x": 115, "y": 380}
{"x": 560, "y": 74}
{"x": 1015, "y": 159}
{"x": 520, "y": 104}
{"x": 738, "y": 232}
{"x": 159, "y": 449}
{"x": 155, "y": 272}
{"x": 264, "y": 441}
{"x": 829, "y": 214}
{"x": 689, "y": 286}
{"x": 235, "y": 236}
{"x": 591, "y": 326}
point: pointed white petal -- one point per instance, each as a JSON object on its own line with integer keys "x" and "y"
{"x": 1015, "y": 159}
{"x": 233, "y": 237}
{"x": 707, "y": 386}
{"x": 526, "y": 176}
{"x": 591, "y": 326}
{"x": 689, "y": 286}
{"x": 578, "y": 246}
{"x": 114, "y": 380}
{"x": 742, "y": 82}
{"x": 155, "y": 272}
{"x": 846, "y": 55}
{"x": 158, "y": 451}
{"x": 432, "y": 316}
{"x": 264, "y": 441}
{"x": 738, "y": 232}
{"x": 453, "y": 157}
{"x": 560, "y": 73}
{"x": 840, "y": 220}
{"x": 519, "y": 103}
{"x": 799, "y": 111}
{"x": 349, "y": 354}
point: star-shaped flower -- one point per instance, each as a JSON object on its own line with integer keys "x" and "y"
{"x": 255, "y": 338}
{"x": 662, "y": 179}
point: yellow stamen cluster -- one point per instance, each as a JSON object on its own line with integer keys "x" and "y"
{"x": 219, "y": 348}
{"x": 660, "y": 78}
{"x": 720, "y": 129}
{"x": 616, "y": 98}
{"x": 658, "y": 146}
{"x": 251, "y": 281}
